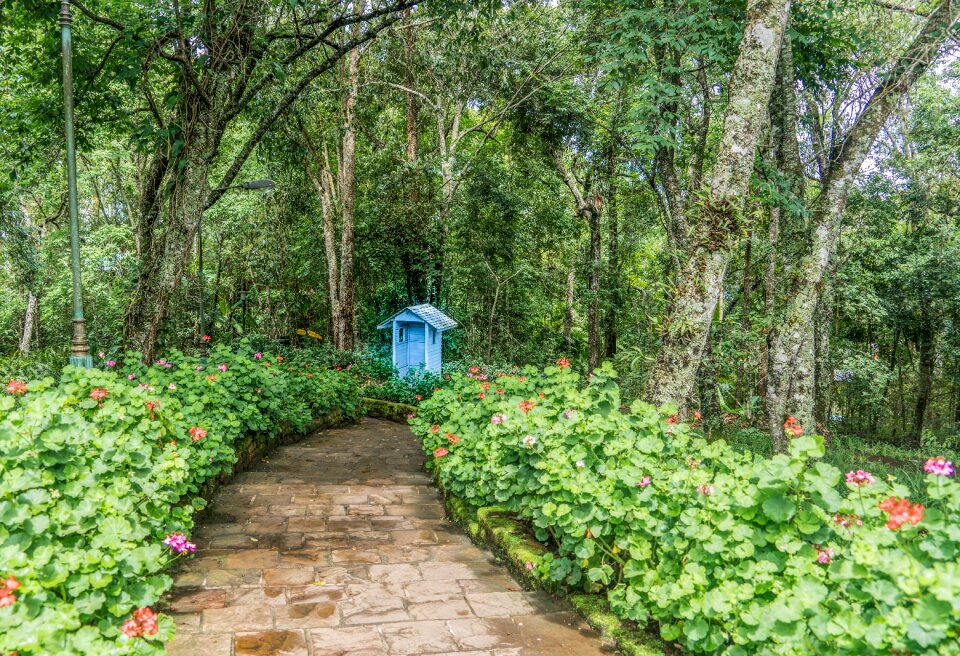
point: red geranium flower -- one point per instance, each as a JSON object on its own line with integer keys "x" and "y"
{"x": 197, "y": 433}
{"x": 526, "y": 406}
{"x": 99, "y": 394}
{"x": 143, "y": 623}
{"x": 9, "y": 586}
{"x": 900, "y": 512}
{"x": 793, "y": 427}
{"x": 16, "y": 387}
{"x": 151, "y": 406}
{"x": 440, "y": 452}
{"x": 563, "y": 363}
{"x": 205, "y": 338}
{"x": 434, "y": 429}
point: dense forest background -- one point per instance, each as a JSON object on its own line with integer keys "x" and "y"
{"x": 564, "y": 178}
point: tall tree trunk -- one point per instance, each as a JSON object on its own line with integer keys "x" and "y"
{"x": 568, "y": 314}
{"x": 769, "y": 293}
{"x": 412, "y": 261}
{"x": 29, "y": 319}
{"x": 166, "y": 258}
{"x": 613, "y": 270}
{"x": 688, "y": 325}
{"x": 322, "y": 177}
{"x": 348, "y": 194}
{"x": 926, "y": 354}
{"x": 822, "y": 371}
{"x": 588, "y": 203}
{"x": 593, "y": 310}
{"x": 796, "y": 327}
{"x": 30, "y": 316}
{"x": 746, "y": 286}
{"x": 710, "y": 411}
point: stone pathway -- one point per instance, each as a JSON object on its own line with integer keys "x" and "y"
{"x": 338, "y": 546}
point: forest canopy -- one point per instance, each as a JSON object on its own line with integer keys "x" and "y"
{"x": 750, "y": 208}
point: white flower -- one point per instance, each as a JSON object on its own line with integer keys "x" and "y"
{"x": 529, "y": 440}
{"x": 579, "y": 464}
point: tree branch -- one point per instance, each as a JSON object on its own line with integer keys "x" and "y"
{"x": 96, "y": 17}
{"x": 287, "y": 101}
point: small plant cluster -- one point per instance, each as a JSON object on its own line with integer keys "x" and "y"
{"x": 731, "y": 553}
{"x": 374, "y": 372}
{"x": 95, "y": 473}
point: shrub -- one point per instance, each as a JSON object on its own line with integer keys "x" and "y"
{"x": 730, "y": 552}
{"x": 95, "y": 475}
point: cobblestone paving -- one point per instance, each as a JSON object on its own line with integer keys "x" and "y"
{"x": 338, "y": 546}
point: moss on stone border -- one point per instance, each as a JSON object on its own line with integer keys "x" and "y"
{"x": 379, "y": 409}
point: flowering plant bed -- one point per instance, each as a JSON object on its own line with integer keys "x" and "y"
{"x": 728, "y": 552}
{"x": 100, "y": 476}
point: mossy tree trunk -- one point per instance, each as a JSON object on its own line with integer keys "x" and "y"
{"x": 788, "y": 356}
{"x": 718, "y": 225}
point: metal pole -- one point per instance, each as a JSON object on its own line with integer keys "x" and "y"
{"x": 79, "y": 349}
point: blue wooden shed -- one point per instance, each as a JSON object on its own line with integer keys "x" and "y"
{"x": 418, "y": 337}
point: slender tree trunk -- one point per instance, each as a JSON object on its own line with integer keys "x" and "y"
{"x": 613, "y": 271}
{"x": 568, "y": 315}
{"x": 769, "y": 294}
{"x": 29, "y": 319}
{"x": 593, "y": 310}
{"x": 326, "y": 187}
{"x": 745, "y": 288}
{"x": 413, "y": 277}
{"x": 711, "y": 413}
{"x": 688, "y": 324}
{"x": 348, "y": 195}
{"x": 822, "y": 371}
{"x": 926, "y": 354}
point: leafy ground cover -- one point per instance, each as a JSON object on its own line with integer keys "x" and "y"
{"x": 731, "y": 552}
{"x": 95, "y": 472}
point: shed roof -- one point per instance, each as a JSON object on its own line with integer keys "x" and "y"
{"x": 428, "y": 313}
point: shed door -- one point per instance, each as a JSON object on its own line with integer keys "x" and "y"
{"x": 414, "y": 346}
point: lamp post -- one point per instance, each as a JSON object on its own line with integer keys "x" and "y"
{"x": 79, "y": 349}
{"x": 252, "y": 185}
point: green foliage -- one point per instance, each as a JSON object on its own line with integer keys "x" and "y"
{"x": 730, "y": 552}
{"x": 90, "y": 487}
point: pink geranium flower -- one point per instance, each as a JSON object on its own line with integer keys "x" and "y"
{"x": 860, "y": 478}
{"x": 179, "y": 543}
{"x": 824, "y": 556}
{"x": 939, "y": 466}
